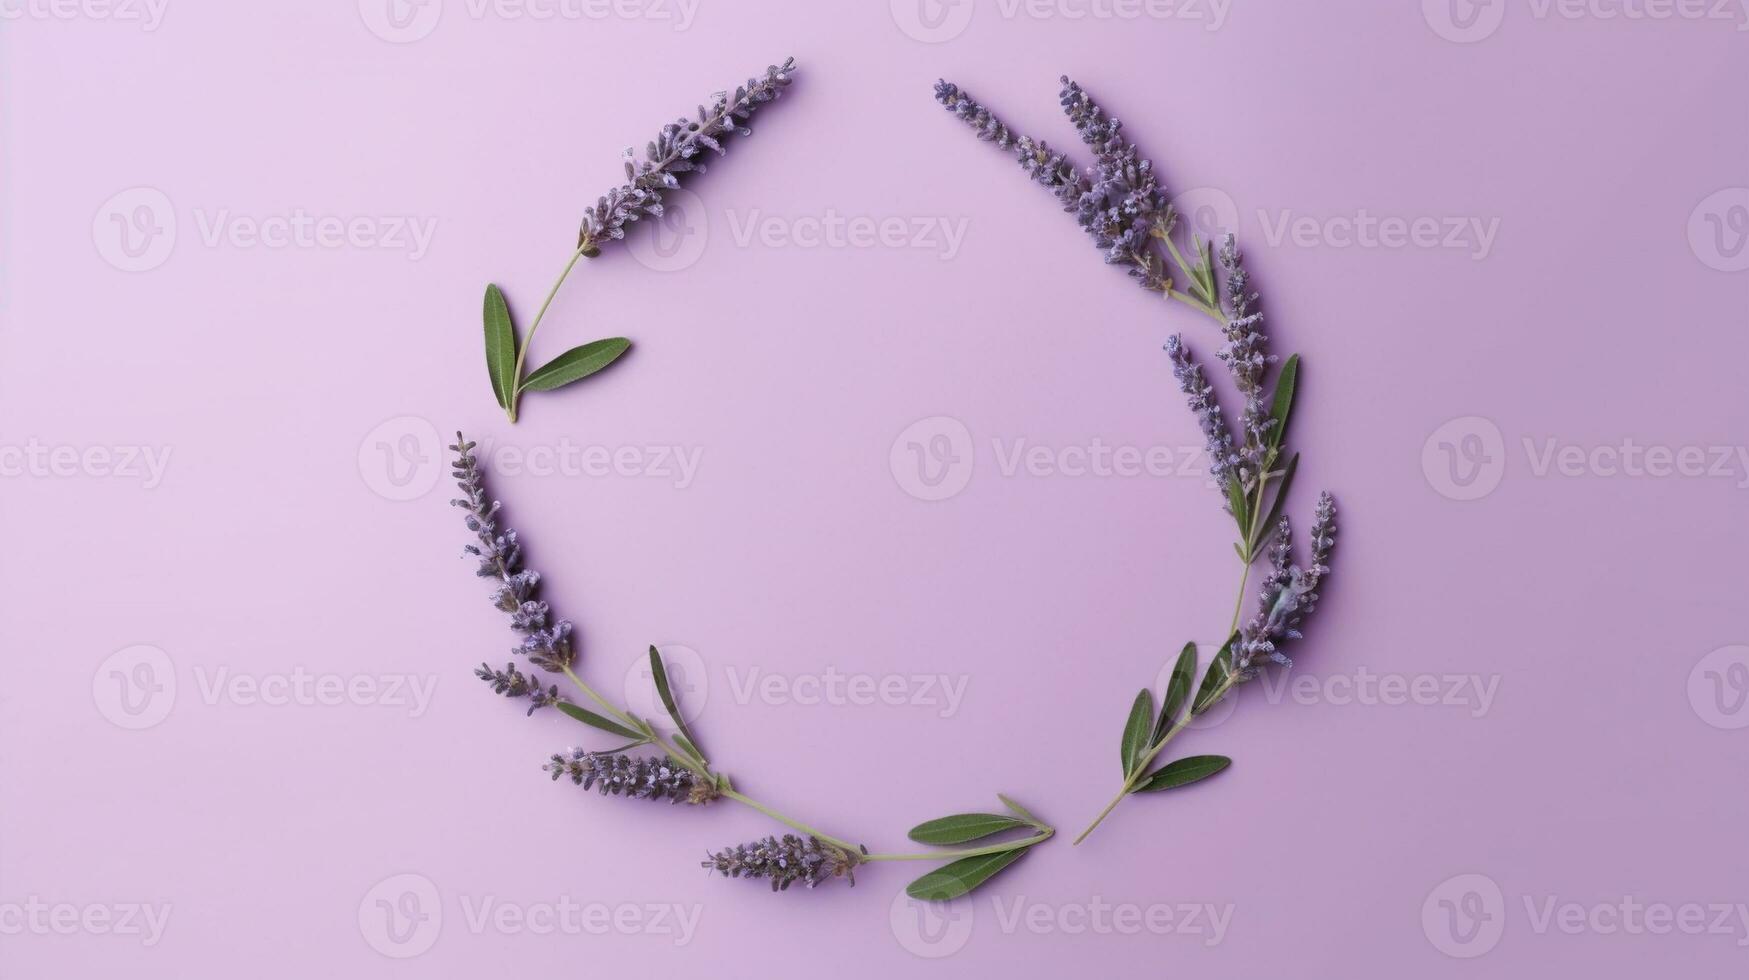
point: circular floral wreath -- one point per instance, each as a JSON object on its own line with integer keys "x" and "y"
{"x": 1119, "y": 202}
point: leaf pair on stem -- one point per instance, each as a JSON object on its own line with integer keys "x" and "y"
{"x": 506, "y": 355}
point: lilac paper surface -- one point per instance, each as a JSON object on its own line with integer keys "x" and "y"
{"x": 871, "y": 477}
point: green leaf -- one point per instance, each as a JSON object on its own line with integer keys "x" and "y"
{"x": 1177, "y": 689}
{"x": 691, "y": 749}
{"x": 500, "y": 346}
{"x": 1020, "y": 811}
{"x": 950, "y": 881}
{"x": 1283, "y": 403}
{"x": 1215, "y": 678}
{"x": 1135, "y": 730}
{"x": 588, "y": 717}
{"x": 962, "y": 827}
{"x": 1267, "y": 528}
{"x": 1183, "y": 772}
{"x": 1237, "y": 504}
{"x": 576, "y": 364}
{"x": 660, "y": 674}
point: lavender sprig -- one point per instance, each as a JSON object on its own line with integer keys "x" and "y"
{"x": 1122, "y": 205}
{"x": 684, "y": 774}
{"x": 678, "y": 149}
{"x": 643, "y": 779}
{"x": 545, "y": 642}
{"x": 785, "y": 861}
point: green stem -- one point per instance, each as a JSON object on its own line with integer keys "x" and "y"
{"x": 1043, "y": 835}
{"x": 844, "y": 845}
{"x": 692, "y": 764}
{"x": 522, "y": 353}
{"x": 1143, "y": 763}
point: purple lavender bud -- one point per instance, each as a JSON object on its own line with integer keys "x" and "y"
{"x": 1247, "y": 357}
{"x": 808, "y": 860}
{"x": 619, "y": 775}
{"x": 1287, "y": 596}
{"x": 512, "y": 683}
{"x": 1207, "y": 411}
{"x": 1123, "y": 204}
{"x": 546, "y": 644}
{"x": 1041, "y": 163}
{"x": 676, "y": 150}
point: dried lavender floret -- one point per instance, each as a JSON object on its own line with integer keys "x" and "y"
{"x": 1288, "y": 595}
{"x": 1191, "y": 381}
{"x": 1123, "y": 204}
{"x": 1041, "y": 163}
{"x": 785, "y": 861}
{"x": 546, "y": 644}
{"x": 675, "y": 151}
{"x": 513, "y": 683}
{"x": 620, "y": 775}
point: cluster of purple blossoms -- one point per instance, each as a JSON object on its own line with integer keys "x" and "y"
{"x": 1289, "y": 594}
{"x": 1118, "y": 201}
{"x": 620, "y": 775}
{"x": 675, "y": 151}
{"x": 546, "y": 642}
{"x": 785, "y": 861}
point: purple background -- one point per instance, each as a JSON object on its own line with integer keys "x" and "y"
{"x": 1606, "y": 764}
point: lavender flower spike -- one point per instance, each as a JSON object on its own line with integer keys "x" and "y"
{"x": 545, "y": 642}
{"x": 676, "y": 150}
{"x": 644, "y": 779}
{"x": 1041, "y": 163}
{"x": 1123, "y": 205}
{"x": 1247, "y": 358}
{"x": 1288, "y": 595}
{"x": 1208, "y": 412}
{"x": 789, "y": 860}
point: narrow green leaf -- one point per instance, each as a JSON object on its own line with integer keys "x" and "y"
{"x": 1264, "y": 530}
{"x": 576, "y": 364}
{"x": 1237, "y": 504}
{"x": 1177, "y": 689}
{"x": 660, "y": 674}
{"x": 1183, "y": 772}
{"x": 1215, "y": 677}
{"x": 1283, "y": 404}
{"x": 962, "y": 827}
{"x": 588, "y": 717}
{"x": 1020, "y": 811}
{"x": 1135, "y": 730}
{"x": 500, "y": 346}
{"x": 950, "y": 881}
{"x": 691, "y": 749}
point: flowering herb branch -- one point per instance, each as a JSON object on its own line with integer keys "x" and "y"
{"x": 683, "y": 773}
{"x": 676, "y": 150}
{"x": 1119, "y": 202}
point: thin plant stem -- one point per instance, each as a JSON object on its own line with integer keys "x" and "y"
{"x": 844, "y": 845}
{"x": 522, "y": 354}
{"x": 693, "y": 765}
{"x": 1043, "y": 835}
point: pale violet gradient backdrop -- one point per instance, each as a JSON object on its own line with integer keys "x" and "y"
{"x": 210, "y": 661}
